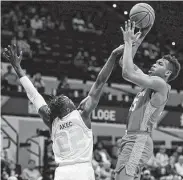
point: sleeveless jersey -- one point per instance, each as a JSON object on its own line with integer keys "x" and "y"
{"x": 72, "y": 140}
{"x": 142, "y": 114}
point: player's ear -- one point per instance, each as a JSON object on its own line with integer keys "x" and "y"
{"x": 168, "y": 73}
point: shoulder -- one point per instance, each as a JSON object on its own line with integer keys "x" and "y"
{"x": 161, "y": 83}
{"x": 45, "y": 113}
{"x": 158, "y": 154}
{"x": 25, "y": 170}
{"x": 158, "y": 79}
{"x": 177, "y": 164}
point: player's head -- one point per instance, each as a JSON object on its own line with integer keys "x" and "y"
{"x": 162, "y": 149}
{"x": 167, "y": 67}
{"x": 181, "y": 159}
{"x": 99, "y": 145}
{"x": 9, "y": 68}
{"x": 60, "y": 106}
{"x": 31, "y": 164}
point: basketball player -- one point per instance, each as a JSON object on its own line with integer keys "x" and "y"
{"x": 70, "y": 126}
{"x": 137, "y": 145}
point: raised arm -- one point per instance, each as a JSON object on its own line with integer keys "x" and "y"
{"x": 91, "y": 101}
{"x": 137, "y": 40}
{"x": 140, "y": 79}
{"x": 11, "y": 55}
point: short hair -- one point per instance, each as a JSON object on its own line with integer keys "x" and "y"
{"x": 31, "y": 160}
{"x": 175, "y": 66}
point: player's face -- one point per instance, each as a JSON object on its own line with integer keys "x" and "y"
{"x": 32, "y": 165}
{"x": 159, "y": 68}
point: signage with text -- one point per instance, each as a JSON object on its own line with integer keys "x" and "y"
{"x": 113, "y": 114}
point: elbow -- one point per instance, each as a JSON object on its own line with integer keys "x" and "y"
{"x": 125, "y": 74}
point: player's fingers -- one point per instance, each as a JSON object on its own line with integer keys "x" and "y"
{"x": 129, "y": 25}
{"x": 15, "y": 49}
{"x": 5, "y": 56}
{"x": 7, "y": 52}
{"x": 133, "y": 26}
{"x": 21, "y": 53}
{"x": 10, "y": 50}
{"x": 122, "y": 29}
{"x": 126, "y": 26}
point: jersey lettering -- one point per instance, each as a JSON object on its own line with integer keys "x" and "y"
{"x": 66, "y": 125}
{"x": 68, "y": 141}
{"x": 134, "y": 104}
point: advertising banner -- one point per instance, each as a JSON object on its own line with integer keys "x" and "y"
{"x": 103, "y": 113}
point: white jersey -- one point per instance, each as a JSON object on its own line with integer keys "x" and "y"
{"x": 72, "y": 140}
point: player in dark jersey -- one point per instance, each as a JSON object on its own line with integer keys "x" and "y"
{"x": 137, "y": 145}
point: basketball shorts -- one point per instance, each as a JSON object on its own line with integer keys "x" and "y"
{"x": 134, "y": 153}
{"x": 82, "y": 171}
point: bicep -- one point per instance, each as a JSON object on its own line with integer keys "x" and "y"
{"x": 44, "y": 113}
{"x": 145, "y": 81}
{"x": 87, "y": 106}
{"x": 136, "y": 68}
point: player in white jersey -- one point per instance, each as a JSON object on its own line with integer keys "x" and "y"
{"x": 70, "y": 126}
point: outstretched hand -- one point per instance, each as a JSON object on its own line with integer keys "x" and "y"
{"x": 128, "y": 33}
{"x": 11, "y": 54}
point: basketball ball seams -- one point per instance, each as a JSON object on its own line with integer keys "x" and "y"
{"x": 141, "y": 19}
{"x": 150, "y": 10}
{"x": 146, "y": 6}
{"x": 148, "y": 21}
{"x": 137, "y": 13}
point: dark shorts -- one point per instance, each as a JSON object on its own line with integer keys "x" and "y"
{"x": 135, "y": 151}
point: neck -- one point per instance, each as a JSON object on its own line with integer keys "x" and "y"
{"x": 65, "y": 113}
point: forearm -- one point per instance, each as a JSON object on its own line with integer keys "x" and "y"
{"x": 107, "y": 69}
{"x": 102, "y": 77}
{"x": 31, "y": 91}
{"x": 135, "y": 46}
{"x": 128, "y": 66}
{"x": 20, "y": 72}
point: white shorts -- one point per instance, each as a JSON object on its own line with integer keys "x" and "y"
{"x": 83, "y": 171}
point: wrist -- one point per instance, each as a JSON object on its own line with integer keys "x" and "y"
{"x": 19, "y": 71}
{"x": 17, "y": 67}
{"x": 128, "y": 42}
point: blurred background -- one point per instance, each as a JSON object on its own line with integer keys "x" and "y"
{"x": 65, "y": 45}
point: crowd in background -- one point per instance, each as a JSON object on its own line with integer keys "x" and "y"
{"x": 51, "y": 44}
{"x": 10, "y": 81}
{"x": 12, "y": 171}
{"x": 164, "y": 165}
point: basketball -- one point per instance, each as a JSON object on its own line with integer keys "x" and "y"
{"x": 143, "y": 15}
